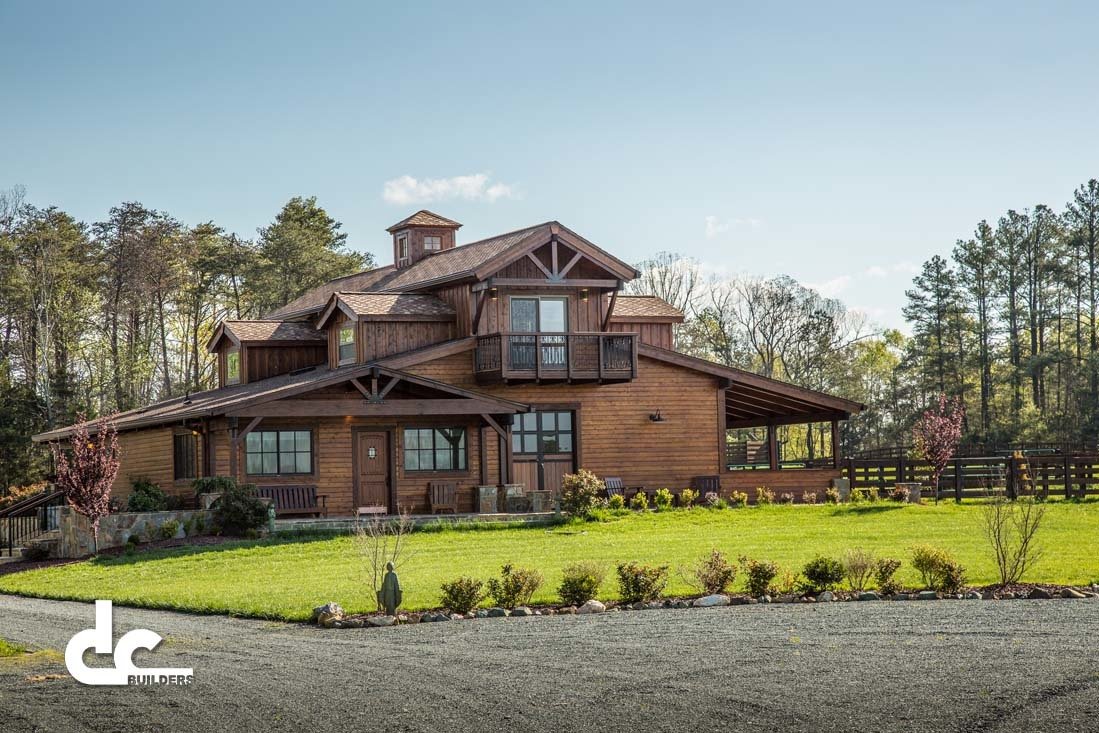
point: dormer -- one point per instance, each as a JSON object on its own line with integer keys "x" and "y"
{"x": 363, "y": 327}
{"x": 421, "y": 235}
{"x": 249, "y": 351}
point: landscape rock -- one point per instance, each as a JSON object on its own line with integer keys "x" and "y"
{"x": 481, "y": 613}
{"x": 382, "y": 620}
{"x": 354, "y": 623}
{"x": 592, "y": 606}
{"x": 927, "y": 595}
{"x": 456, "y": 617}
{"x": 549, "y": 612}
{"x": 682, "y": 604}
{"x": 717, "y": 599}
{"x": 567, "y": 611}
{"x": 1009, "y": 596}
{"x": 738, "y": 601}
{"x": 330, "y": 610}
{"x": 785, "y": 599}
{"x": 826, "y": 597}
{"x": 973, "y": 596}
{"x": 1039, "y": 594}
{"x": 869, "y": 596}
{"x": 497, "y": 612}
{"x": 639, "y": 606}
{"x": 900, "y": 597}
{"x": 1072, "y": 593}
{"x": 521, "y": 611}
{"x": 765, "y": 599}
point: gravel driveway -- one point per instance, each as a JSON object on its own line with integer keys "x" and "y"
{"x": 917, "y": 666}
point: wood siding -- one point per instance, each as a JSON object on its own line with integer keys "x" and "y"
{"x": 416, "y": 242}
{"x": 271, "y": 361}
{"x": 148, "y": 454}
{"x": 795, "y": 481}
{"x": 654, "y": 334}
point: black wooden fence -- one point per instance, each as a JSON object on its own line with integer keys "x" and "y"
{"x": 1074, "y": 476}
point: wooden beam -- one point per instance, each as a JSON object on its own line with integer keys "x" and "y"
{"x": 836, "y": 445}
{"x": 393, "y": 381}
{"x": 480, "y": 310}
{"x": 495, "y": 425}
{"x": 785, "y": 420}
{"x": 249, "y": 428}
{"x": 359, "y": 386}
{"x": 610, "y": 308}
{"x": 772, "y": 447}
{"x": 571, "y": 263}
{"x": 341, "y": 408}
{"x": 482, "y": 455}
{"x": 523, "y": 282}
{"x": 234, "y": 447}
{"x": 722, "y": 433}
{"x": 543, "y": 268}
{"x": 553, "y": 258}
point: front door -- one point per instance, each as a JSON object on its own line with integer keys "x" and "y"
{"x": 544, "y": 448}
{"x": 372, "y": 470}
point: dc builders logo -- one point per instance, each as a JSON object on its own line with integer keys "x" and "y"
{"x": 124, "y": 672}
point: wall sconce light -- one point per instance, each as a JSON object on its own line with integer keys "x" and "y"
{"x": 584, "y": 294}
{"x": 656, "y": 417}
{"x": 493, "y": 293}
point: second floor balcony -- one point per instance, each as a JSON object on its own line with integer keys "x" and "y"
{"x": 569, "y": 357}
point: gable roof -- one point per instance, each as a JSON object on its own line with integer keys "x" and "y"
{"x": 425, "y": 218}
{"x": 314, "y": 300}
{"x": 628, "y": 307}
{"x": 388, "y": 306}
{"x": 257, "y": 331}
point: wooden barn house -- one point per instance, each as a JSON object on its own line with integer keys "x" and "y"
{"x": 508, "y": 361}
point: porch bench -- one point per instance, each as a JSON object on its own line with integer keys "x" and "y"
{"x": 295, "y": 500}
{"x": 443, "y": 496}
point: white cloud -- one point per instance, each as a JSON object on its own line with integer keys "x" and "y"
{"x": 715, "y": 226}
{"x": 476, "y": 187}
{"x": 832, "y": 288}
{"x": 899, "y": 268}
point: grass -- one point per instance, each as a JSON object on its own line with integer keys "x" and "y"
{"x": 9, "y": 649}
{"x": 284, "y": 578}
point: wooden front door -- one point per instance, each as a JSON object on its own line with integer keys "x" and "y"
{"x": 372, "y": 470}
{"x": 544, "y": 448}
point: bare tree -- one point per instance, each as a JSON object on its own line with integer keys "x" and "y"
{"x": 671, "y": 277}
{"x": 1010, "y": 527}
{"x": 380, "y": 540}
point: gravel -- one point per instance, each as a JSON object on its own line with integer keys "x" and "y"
{"x": 928, "y": 666}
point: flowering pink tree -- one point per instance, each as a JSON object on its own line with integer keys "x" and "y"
{"x": 937, "y": 433}
{"x": 87, "y": 475}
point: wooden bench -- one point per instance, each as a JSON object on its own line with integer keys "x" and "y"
{"x": 443, "y": 496}
{"x": 295, "y": 500}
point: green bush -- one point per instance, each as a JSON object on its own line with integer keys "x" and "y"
{"x": 952, "y": 577}
{"x": 515, "y": 586}
{"x": 663, "y": 500}
{"x": 462, "y": 595}
{"x": 884, "y": 570}
{"x": 639, "y": 501}
{"x": 938, "y": 569}
{"x": 616, "y": 501}
{"x": 238, "y": 511}
{"x": 831, "y": 495}
{"x": 859, "y": 496}
{"x": 580, "y": 492}
{"x": 759, "y": 574}
{"x": 713, "y": 573}
{"x": 688, "y": 498}
{"x": 786, "y": 497}
{"x": 823, "y": 573}
{"x": 580, "y": 582}
{"x": 809, "y": 497}
{"x": 764, "y": 496}
{"x": 738, "y": 499}
{"x": 146, "y": 497}
{"x": 213, "y": 484}
{"x": 858, "y": 567}
{"x": 638, "y": 582}
{"x": 168, "y": 530}
{"x": 872, "y": 494}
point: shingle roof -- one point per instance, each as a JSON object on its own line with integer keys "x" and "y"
{"x": 424, "y": 218}
{"x": 315, "y": 299}
{"x": 272, "y": 331}
{"x": 644, "y": 306}
{"x": 396, "y": 304}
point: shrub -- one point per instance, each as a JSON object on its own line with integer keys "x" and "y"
{"x": 580, "y": 492}
{"x": 637, "y": 582}
{"x": 738, "y": 499}
{"x": 1011, "y": 527}
{"x": 146, "y": 497}
{"x": 884, "y": 570}
{"x": 823, "y": 573}
{"x": 238, "y": 511}
{"x": 688, "y": 498}
{"x": 212, "y": 484}
{"x": 616, "y": 501}
{"x": 764, "y": 496}
{"x": 858, "y": 567}
{"x": 580, "y": 582}
{"x": 899, "y": 494}
{"x": 639, "y": 501}
{"x": 809, "y": 497}
{"x": 859, "y": 496}
{"x": 713, "y": 573}
{"x": 515, "y": 586}
{"x": 663, "y": 500}
{"x": 951, "y": 578}
{"x": 938, "y": 569}
{"x": 831, "y": 495}
{"x": 759, "y": 574}
{"x": 195, "y": 525}
{"x": 168, "y": 530}
{"x": 711, "y": 498}
{"x": 786, "y": 583}
{"x": 786, "y": 497}
{"x": 462, "y": 595}
{"x": 872, "y": 494}
{"x": 19, "y": 493}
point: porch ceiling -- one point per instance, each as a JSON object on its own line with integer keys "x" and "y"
{"x": 748, "y": 406}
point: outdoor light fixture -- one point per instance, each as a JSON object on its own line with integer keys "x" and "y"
{"x": 493, "y": 293}
{"x": 584, "y": 295}
{"x": 656, "y": 416}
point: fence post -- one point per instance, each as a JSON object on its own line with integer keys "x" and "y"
{"x": 1068, "y": 478}
{"x": 900, "y": 469}
{"x": 1009, "y": 476}
{"x": 958, "y": 480}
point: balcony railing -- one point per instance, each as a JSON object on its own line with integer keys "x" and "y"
{"x": 556, "y": 356}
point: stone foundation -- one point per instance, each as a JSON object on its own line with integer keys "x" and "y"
{"x": 116, "y": 529}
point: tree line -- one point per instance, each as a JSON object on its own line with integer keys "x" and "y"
{"x": 114, "y": 314}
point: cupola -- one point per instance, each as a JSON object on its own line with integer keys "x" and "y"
{"x": 421, "y": 235}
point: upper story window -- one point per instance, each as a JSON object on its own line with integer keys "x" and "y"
{"x": 346, "y": 347}
{"x": 433, "y": 244}
{"x": 232, "y": 367}
{"x": 402, "y": 248}
{"x": 546, "y": 315}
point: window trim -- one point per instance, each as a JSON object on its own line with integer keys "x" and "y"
{"x": 193, "y": 438}
{"x": 402, "y": 247}
{"x": 284, "y": 429}
{"x": 236, "y": 351}
{"x": 353, "y": 327}
{"x": 538, "y": 312}
{"x": 437, "y": 239}
{"x": 435, "y": 471}
{"x": 540, "y": 453}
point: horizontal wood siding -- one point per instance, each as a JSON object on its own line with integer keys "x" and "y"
{"x": 147, "y": 454}
{"x": 654, "y": 334}
{"x": 794, "y": 481}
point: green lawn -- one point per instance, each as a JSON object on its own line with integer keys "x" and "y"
{"x": 8, "y": 649}
{"x": 285, "y": 579}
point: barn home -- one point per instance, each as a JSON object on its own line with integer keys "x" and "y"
{"x": 508, "y": 361}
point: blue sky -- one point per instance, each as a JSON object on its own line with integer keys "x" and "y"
{"x": 842, "y": 147}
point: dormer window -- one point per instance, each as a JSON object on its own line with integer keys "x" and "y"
{"x": 232, "y": 367}
{"x": 347, "y": 353}
{"x": 402, "y": 248}
{"x": 433, "y": 244}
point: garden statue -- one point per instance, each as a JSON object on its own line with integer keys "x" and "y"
{"x": 389, "y": 597}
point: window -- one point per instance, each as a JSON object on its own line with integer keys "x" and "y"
{"x": 402, "y": 247}
{"x": 232, "y": 367}
{"x": 433, "y": 244}
{"x": 548, "y": 315}
{"x": 541, "y": 433}
{"x": 347, "y": 344}
{"x": 184, "y": 456}
{"x": 435, "y": 449}
{"x": 274, "y": 452}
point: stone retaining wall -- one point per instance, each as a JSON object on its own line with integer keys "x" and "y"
{"x": 116, "y": 529}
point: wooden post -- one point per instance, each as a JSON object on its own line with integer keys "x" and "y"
{"x": 835, "y": 444}
{"x": 958, "y": 480}
{"x": 482, "y": 455}
{"x": 772, "y": 447}
{"x": 234, "y": 447}
{"x": 1010, "y": 488}
{"x": 900, "y": 468}
{"x": 1068, "y": 477}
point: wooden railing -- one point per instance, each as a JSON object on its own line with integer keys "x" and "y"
{"x": 980, "y": 450}
{"x": 573, "y": 356}
{"x": 976, "y": 476}
{"x": 27, "y": 519}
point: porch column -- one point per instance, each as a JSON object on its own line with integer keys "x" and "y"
{"x": 772, "y": 446}
{"x": 836, "y": 444}
{"x": 233, "y": 448}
